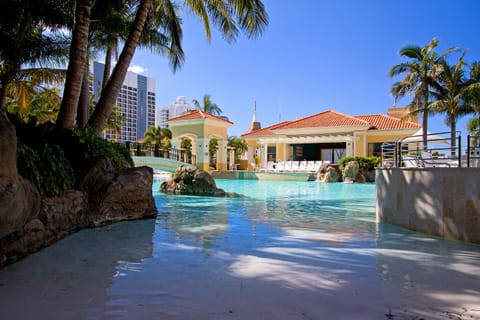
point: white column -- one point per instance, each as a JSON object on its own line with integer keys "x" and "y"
{"x": 202, "y": 153}
{"x": 264, "y": 155}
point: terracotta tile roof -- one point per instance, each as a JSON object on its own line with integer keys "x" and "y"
{"x": 327, "y": 118}
{"x": 383, "y": 122}
{"x": 265, "y": 131}
{"x": 197, "y": 114}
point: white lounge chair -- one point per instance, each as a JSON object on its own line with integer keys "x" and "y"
{"x": 280, "y": 166}
{"x": 302, "y": 166}
{"x": 311, "y": 166}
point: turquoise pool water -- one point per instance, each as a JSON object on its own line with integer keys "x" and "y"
{"x": 267, "y": 210}
{"x": 282, "y": 250}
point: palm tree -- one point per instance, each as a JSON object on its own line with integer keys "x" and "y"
{"x": 28, "y": 43}
{"x": 247, "y": 15}
{"x": 450, "y": 96}
{"x": 31, "y": 83}
{"x": 154, "y": 134}
{"x": 421, "y": 74}
{"x": 208, "y": 105}
{"x": 474, "y": 89}
{"x": 239, "y": 144}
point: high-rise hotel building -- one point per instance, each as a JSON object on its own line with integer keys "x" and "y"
{"x": 136, "y": 101}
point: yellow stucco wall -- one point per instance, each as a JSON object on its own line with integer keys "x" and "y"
{"x": 198, "y": 131}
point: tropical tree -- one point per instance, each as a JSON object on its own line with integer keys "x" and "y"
{"x": 239, "y": 144}
{"x": 208, "y": 105}
{"x": 158, "y": 135}
{"x": 231, "y": 16}
{"x": 450, "y": 97}
{"x": 42, "y": 106}
{"x": 473, "y": 94}
{"x": 116, "y": 121}
{"x": 421, "y": 74}
{"x": 212, "y": 151}
{"x": 76, "y": 66}
{"x": 26, "y": 42}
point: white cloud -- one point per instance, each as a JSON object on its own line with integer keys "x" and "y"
{"x": 137, "y": 69}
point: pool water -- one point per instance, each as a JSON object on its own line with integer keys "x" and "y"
{"x": 279, "y": 250}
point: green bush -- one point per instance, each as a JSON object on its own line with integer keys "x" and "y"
{"x": 365, "y": 163}
{"x": 93, "y": 147}
{"x": 47, "y": 168}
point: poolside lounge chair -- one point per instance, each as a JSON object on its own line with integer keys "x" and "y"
{"x": 302, "y": 166}
{"x": 270, "y": 166}
{"x": 311, "y": 166}
{"x": 411, "y": 162}
{"x": 280, "y": 166}
{"x": 428, "y": 161}
{"x": 294, "y": 166}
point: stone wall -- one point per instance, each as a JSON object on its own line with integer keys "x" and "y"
{"x": 29, "y": 222}
{"x": 439, "y": 201}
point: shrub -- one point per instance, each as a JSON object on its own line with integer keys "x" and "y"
{"x": 93, "y": 147}
{"x": 47, "y": 168}
{"x": 365, "y": 163}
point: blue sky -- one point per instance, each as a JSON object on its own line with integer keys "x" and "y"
{"x": 315, "y": 55}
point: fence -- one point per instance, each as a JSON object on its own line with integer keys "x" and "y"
{"x": 153, "y": 150}
{"x": 440, "y": 150}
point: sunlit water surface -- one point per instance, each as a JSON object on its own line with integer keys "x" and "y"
{"x": 280, "y": 250}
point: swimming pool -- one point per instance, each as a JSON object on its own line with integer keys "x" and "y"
{"x": 283, "y": 250}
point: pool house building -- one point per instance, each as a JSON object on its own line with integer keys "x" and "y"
{"x": 326, "y": 136}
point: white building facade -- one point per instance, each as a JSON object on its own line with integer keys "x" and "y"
{"x": 136, "y": 101}
{"x": 177, "y": 108}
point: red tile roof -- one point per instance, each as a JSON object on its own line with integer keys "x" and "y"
{"x": 383, "y": 122}
{"x": 332, "y": 118}
{"x": 265, "y": 131}
{"x": 197, "y": 114}
{"x": 327, "y": 118}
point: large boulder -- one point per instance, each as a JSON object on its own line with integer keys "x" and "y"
{"x": 351, "y": 171}
{"x": 19, "y": 203}
{"x": 8, "y": 147}
{"x": 192, "y": 181}
{"x": 19, "y": 198}
{"x": 116, "y": 195}
{"x": 65, "y": 214}
{"x": 329, "y": 173}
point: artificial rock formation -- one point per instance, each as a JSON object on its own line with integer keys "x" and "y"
{"x": 192, "y": 181}
{"x": 118, "y": 195}
{"x": 29, "y": 222}
{"x": 329, "y": 173}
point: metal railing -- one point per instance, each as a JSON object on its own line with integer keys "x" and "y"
{"x": 440, "y": 150}
{"x": 154, "y": 150}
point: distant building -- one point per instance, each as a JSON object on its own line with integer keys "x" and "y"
{"x": 136, "y": 101}
{"x": 177, "y": 108}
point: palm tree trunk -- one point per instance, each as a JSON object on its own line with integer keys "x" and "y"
{"x": 453, "y": 131}
{"x": 104, "y": 106}
{"x": 3, "y": 90}
{"x": 425, "y": 119}
{"x": 108, "y": 66}
{"x": 76, "y": 66}
{"x": 83, "y": 111}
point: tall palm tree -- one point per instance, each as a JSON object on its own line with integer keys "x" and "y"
{"x": 474, "y": 89}
{"x": 421, "y": 73}
{"x": 208, "y": 105}
{"x": 76, "y": 65}
{"x": 229, "y": 15}
{"x": 450, "y": 97}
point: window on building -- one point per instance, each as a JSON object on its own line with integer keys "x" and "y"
{"x": 272, "y": 153}
{"x": 375, "y": 149}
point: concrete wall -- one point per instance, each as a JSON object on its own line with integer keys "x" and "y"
{"x": 439, "y": 201}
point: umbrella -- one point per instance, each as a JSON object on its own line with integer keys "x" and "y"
{"x": 431, "y": 137}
